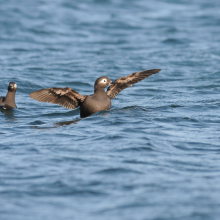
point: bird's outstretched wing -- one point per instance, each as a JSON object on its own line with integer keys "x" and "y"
{"x": 127, "y": 81}
{"x": 65, "y": 97}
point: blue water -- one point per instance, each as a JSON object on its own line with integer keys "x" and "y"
{"x": 155, "y": 155}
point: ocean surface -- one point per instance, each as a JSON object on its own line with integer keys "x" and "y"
{"x": 155, "y": 155}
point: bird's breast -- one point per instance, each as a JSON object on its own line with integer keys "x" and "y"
{"x": 94, "y": 104}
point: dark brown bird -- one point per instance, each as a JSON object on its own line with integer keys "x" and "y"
{"x": 9, "y": 100}
{"x": 98, "y": 101}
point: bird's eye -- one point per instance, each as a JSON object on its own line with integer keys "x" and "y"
{"x": 104, "y": 80}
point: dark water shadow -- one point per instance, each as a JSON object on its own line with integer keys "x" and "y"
{"x": 64, "y": 123}
{"x": 9, "y": 114}
{"x": 38, "y": 124}
{"x": 7, "y": 111}
{"x": 57, "y": 124}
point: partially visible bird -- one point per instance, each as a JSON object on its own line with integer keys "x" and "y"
{"x": 9, "y": 100}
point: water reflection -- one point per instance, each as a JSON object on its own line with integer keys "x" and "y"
{"x": 58, "y": 124}
{"x": 7, "y": 111}
{"x": 63, "y": 123}
{"x": 9, "y": 114}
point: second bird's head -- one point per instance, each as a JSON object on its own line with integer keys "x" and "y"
{"x": 12, "y": 86}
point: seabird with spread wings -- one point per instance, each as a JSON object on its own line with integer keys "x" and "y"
{"x": 98, "y": 101}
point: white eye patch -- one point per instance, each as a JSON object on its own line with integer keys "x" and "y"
{"x": 13, "y": 85}
{"x": 104, "y": 81}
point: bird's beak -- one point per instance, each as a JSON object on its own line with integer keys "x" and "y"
{"x": 111, "y": 83}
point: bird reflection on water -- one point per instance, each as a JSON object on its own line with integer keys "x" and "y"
{"x": 7, "y": 111}
{"x": 58, "y": 124}
{"x": 9, "y": 114}
{"x": 63, "y": 123}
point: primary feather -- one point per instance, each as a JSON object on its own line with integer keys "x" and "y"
{"x": 127, "y": 81}
{"x": 65, "y": 97}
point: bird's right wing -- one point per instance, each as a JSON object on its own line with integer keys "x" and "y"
{"x": 127, "y": 81}
{"x": 65, "y": 97}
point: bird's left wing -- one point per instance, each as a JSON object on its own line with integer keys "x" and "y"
{"x": 65, "y": 97}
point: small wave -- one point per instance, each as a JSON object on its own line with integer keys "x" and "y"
{"x": 174, "y": 41}
{"x": 136, "y": 149}
{"x": 116, "y": 171}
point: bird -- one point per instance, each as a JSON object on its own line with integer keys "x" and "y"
{"x": 8, "y": 102}
{"x": 89, "y": 104}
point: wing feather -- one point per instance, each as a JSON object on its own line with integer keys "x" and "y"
{"x": 127, "y": 81}
{"x": 65, "y": 97}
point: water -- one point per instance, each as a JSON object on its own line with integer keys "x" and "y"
{"x": 154, "y": 154}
